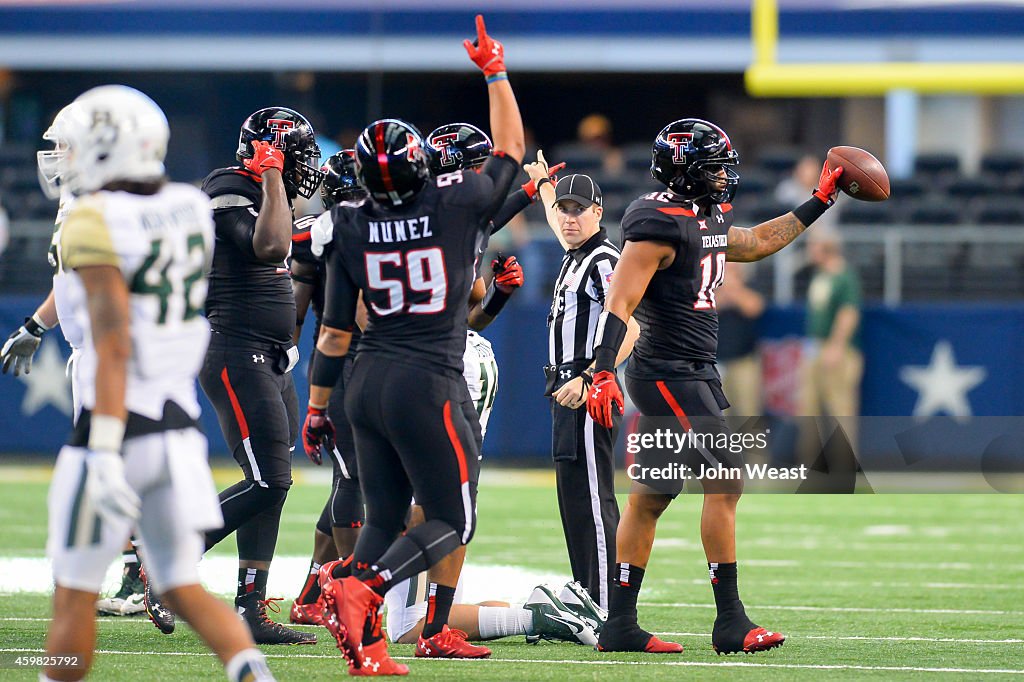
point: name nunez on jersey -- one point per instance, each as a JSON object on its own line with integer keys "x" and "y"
{"x": 389, "y": 231}
{"x": 713, "y": 241}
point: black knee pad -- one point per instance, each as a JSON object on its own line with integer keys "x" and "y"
{"x": 436, "y": 539}
{"x": 346, "y": 504}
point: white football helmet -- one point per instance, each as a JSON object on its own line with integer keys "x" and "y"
{"x": 113, "y": 133}
{"x": 48, "y": 161}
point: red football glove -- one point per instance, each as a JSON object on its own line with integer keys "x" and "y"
{"x": 485, "y": 51}
{"x": 531, "y": 187}
{"x": 508, "y": 273}
{"x": 605, "y": 399}
{"x": 317, "y": 433}
{"x": 264, "y": 156}
{"x": 826, "y": 190}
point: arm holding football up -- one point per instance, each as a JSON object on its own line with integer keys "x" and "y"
{"x": 755, "y": 243}
{"x": 637, "y": 265}
{"x": 273, "y": 234}
{"x": 506, "y": 122}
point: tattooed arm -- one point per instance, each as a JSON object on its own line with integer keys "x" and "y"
{"x": 748, "y": 244}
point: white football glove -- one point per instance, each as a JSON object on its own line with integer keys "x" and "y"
{"x": 19, "y": 349}
{"x": 108, "y": 489}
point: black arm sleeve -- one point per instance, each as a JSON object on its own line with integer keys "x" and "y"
{"x": 341, "y": 294}
{"x": 501, "y": 170}
{"x": 237, "y": 225}
{"x": 514, "y": 204}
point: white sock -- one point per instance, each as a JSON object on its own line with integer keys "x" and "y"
{"x": 496, "y": 622}
{"x": 248, "y": 665}
{"x": 44, "y": 678}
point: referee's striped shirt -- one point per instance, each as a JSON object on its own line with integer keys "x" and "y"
{"x": 580, "y": 291}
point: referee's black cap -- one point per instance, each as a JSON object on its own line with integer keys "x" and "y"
{"x": 579, "y": 188}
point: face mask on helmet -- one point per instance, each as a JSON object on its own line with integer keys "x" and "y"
{"x": 695, "y": 160}
{"x": 289, "y": 131}
{"x": 114, "y": 134}
{"x": 340, "y": 182}
{"x": 391, "y": 163}
{"x": 48, "y": 161}
{"x": 457, "y": 146}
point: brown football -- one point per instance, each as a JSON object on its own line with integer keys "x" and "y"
{"x": 863, "y": 176}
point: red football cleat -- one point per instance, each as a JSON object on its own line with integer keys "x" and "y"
{"x": 307, "y": 614}
{"x": 659, "y": 646}
{"x": 324, "y": 574}
{"x": 756, "y": 640}
{"x": 449, "y": 644}
{"x": 348, "y": 603}
{"x": 376, "y": 661}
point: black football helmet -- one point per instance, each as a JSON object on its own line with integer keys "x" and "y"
{"x": 340, "y": 181}
{"x": 289, "y": 131}
{"x": 457, "y": 146}
{"x": 390, "y": 161}
{"x": 687, "y": 157}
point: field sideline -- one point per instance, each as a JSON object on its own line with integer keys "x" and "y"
{"x": 883, "y": 587}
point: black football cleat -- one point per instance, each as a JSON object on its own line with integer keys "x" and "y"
{"x": 253, "y": 611}
{"x": 161, "y": 616}
{"x": 624, "y": 634}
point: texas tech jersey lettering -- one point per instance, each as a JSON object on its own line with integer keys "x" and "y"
{"x": 678, "y": 313}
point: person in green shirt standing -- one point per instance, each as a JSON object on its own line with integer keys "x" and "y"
{"x": 833, "y": 365}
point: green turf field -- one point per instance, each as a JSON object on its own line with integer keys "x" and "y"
{"x": 882, "y": 587}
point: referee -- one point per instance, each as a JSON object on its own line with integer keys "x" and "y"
{"x": 583, "y": 450}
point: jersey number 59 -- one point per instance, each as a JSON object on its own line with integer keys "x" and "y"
{"x": 425, "y": 274}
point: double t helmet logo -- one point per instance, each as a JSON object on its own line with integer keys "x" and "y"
{"x": 280, "y": 128}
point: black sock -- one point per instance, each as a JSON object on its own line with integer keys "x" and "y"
{"x": 416, "y": 551}
{"x": 311, "y": 589}
{"x": 439, "y": 604}
{"x": 131, "y": 562}
{"x": 252, "y": 580}
{"x": 344, "y": 569}
{"x": 723, "y": 582}
{"x": 625, "y": 590}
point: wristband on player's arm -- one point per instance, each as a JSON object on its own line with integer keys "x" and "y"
{"x": 810, "y": 210}
{"x": 611, "y": 332}
{"x": 106, "y": 433}
{"x": 494, "y": 300}
{"x": 326, "y": 369}
{"x": 34, "y": 325}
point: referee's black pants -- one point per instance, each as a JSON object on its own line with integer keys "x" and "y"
{"x": 584, "y": 456}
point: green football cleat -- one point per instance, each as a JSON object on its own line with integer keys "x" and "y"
{"x": 578, "y": 600}
{"x": 553, "y": 620}
{"x": 129, "y": 599}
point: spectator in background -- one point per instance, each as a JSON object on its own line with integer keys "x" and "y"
{"x": 833, "y": 364}
{"x": 804, "y": 179}
{"x": 739, "y": 309}
{"x": 595, "y": 132}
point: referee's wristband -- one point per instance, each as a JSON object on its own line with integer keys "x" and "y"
{"x": 494, "y": 300}
{"x": 106, "y": 433}
{"x": 611, "y": 332}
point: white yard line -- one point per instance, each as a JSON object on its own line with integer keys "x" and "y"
{"x": 843, "y": 609}
{"x": 659, "y": 663}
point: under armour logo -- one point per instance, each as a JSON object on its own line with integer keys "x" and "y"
{"x": 760, "y": 638}
{"x": 565, "y": 373}
{"x": 258, "y": 358}
{"x": 720, "y": 218}
{"x": 702, "y": 224}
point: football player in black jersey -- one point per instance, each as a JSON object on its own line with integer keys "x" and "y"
{"x": 251, "y": 309}
{"x": 342, "y": 516}
{"x": 676, "y": 244}
{"x": 411, "y": 250}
